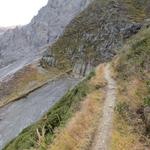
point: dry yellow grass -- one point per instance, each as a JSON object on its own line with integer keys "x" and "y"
{"x": 79, "y": 131}
{"x": 98, "y": 79}
{"x": 124, "y": 136}
{"x": 123, "y": 139}
{"x": 24, "y": 81}
{"x": 132, "y": 92}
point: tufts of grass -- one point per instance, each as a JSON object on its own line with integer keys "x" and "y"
{"x": 56, "y": 117}
{"x": 122, "y": 137}
{"x": 134, "y": 59}
{"x": 122, "y": 108}
{"x": 132, "y": 70}
{"x": 79, "y": 131}
{"x": 128, "y": 124}
{"x": 147, "y": 100}
{"x": 137, "y": 9}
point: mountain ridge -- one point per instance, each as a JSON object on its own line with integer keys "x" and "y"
{"x": 44, "y": 28}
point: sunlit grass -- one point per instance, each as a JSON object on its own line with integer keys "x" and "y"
{"x": 78, "y": 132}
{"x": 131, "y": 71}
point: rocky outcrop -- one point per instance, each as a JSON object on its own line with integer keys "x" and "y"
{"x": 44, "y": 28}
{"x": 95, "y": 35}
{"x": 131, "y": 30}
{"x": 82, "y": 68}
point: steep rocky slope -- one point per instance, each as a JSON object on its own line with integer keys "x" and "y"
{"x": 96, "y": 33}
{"x": 43, "y": 29}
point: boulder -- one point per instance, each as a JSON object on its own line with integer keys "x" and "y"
{"x": 130, "y": 30}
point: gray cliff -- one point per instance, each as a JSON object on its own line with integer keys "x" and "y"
{"x": 26, "y": 41}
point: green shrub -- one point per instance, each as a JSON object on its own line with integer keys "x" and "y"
{"x": 147, "y": 100}
{"x": 122, "y": 108}
{"x": 92, "y": 73}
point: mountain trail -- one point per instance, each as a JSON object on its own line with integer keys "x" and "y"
{"x": 104, "y": 129}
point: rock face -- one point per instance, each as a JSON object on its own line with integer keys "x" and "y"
{"x": 2, "y": 30}
{"x": 131, "y": 30}
{"x": 95, "y": 34}
{"x": 44, "y": 28}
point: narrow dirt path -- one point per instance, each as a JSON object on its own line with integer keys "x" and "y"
{"x": 104, "y": 129}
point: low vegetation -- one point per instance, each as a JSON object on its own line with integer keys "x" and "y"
{"x": 25, "y": 80}
{"x": 55, "y": 117}
{"x": 72, "y": 118}
{"x": 79, "y": 131}
{"x": 137, "y": 9}
{"x": 132, "y": 72}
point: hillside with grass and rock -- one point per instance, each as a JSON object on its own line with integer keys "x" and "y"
{"x": 26, "y": 41}
{"x": 103, "y": 51}
{"x": 96, "y": 34}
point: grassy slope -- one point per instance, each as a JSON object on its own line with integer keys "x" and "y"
{"x": 79, "y": 131}
{"x": 132, "y": 72}
{"x": 55, "y": 117}
{"x": 25, "y": 80}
